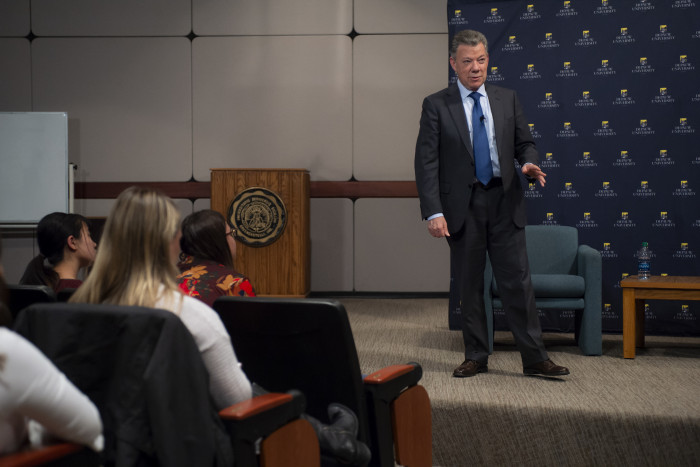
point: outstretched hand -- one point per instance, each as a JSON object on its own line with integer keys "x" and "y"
{"x": 533, "y": 171}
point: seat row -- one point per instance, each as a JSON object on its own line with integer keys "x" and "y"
{"x": 142, "y": 369}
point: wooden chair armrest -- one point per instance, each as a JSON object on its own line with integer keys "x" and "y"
{"x": 41, "y": 456}
{"x": 293, "y": 445}
{"x": 388, "y": 373}
{"x": 412, "y": 427}
{"x": 258, "y": 417}
{"x": 383, "y": 387}
{"x": 387, "y": 383}
{"x": 254, "y": 406}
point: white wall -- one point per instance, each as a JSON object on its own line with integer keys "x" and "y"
{"x": 164, "y": 90}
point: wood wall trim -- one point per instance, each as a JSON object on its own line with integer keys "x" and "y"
{"x": 110, "y": 190}
{"x": 356, "y": 189}
{"x": 197, "y": 190}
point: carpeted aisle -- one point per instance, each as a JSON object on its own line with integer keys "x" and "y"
{"x": 609, "y": 411}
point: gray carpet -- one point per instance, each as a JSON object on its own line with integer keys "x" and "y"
{"x": 609, "y": 411}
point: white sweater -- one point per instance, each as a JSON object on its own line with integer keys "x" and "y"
{"x": 227, "y": 382}
{"x": 31, "y": 387}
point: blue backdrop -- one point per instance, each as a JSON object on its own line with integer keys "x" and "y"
{"x": 611, "y": 89}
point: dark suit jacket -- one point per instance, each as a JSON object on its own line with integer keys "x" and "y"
{"x": 444, "y": 161}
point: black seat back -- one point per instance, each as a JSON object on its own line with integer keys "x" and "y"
{"x": 305, "y": 344}
{"x": 21, "y": 296}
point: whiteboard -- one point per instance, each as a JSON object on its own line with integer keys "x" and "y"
{"x": 33, "y": 165}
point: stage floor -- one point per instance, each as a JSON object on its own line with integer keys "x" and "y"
{"x": 609, "y": 411}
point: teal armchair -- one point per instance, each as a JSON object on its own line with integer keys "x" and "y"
{"x": 565, "y": 276}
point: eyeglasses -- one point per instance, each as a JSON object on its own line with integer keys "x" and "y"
{"x": 233, "y": 233}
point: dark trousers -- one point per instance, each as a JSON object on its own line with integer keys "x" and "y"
{"x": 489, "y": 227}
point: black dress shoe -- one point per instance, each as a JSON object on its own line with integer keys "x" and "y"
{"x": 470, "y": 368}
{"x": 546, "y": 368}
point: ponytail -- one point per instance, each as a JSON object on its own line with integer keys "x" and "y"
{"x": 39, "y": 273}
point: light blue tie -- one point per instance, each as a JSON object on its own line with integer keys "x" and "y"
{"x": 482, "y": 154}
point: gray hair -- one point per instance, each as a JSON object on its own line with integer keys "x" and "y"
{"x": 467, "y": 37}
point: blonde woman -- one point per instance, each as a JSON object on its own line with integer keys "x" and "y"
{"x": 135, "y": 265}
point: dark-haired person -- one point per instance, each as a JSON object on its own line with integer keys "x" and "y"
{"x": 208, "y": 253}
{"x": 206, "y": 263}
{"x": 65, "y": 247}
{"x": 37, "y": 402}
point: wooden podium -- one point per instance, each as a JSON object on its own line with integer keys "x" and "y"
{"x": 277, "y": 265}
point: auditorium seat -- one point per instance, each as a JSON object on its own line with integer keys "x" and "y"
{"x": 21, "y": 296}
{"x": 55, "y": 455}
{"x": 64, "y": 295}
{"x": 565, "y": 276}
{"x": 142, "y": 369}
{"x": 308, "y": 344}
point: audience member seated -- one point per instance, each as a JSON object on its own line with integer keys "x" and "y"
{"x": 135, "y": 265}
{"x": 32, "y": 387}
{"x": 65, "y": 247}
{"x": 208, "y": 254}
{"x": 37, "y": 402}
{"x": 145, "y": 223}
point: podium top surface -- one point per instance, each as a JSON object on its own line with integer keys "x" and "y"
{"x": 259, "y": 170}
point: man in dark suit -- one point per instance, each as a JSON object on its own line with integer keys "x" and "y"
{"x": 471, "y": 194}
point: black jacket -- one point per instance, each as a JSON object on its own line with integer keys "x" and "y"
{"x": 444, "y": 163}
{"x": 142, "y": 369}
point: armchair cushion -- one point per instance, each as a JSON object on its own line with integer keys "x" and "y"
{"x": 551, "y": 303}
{"x": 553, "y": 286}
{"x": 552, "y": 249}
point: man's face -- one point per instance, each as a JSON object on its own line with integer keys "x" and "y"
{"x": 470, "y": 64}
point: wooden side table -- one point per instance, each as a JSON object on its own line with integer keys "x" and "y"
{"x": 635, "y": 291}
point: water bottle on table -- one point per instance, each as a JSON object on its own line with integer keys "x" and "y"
{"x": 644, "y": 262}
